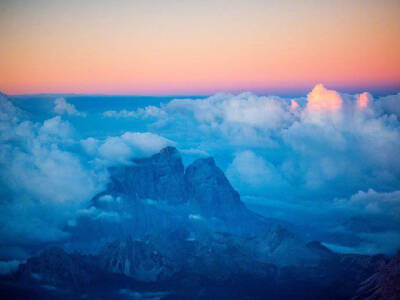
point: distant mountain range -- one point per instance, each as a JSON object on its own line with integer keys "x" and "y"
{"x": 160, "y": 231}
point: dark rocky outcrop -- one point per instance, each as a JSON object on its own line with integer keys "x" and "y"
{"x": 55, "y": 267}
{"x": 162, "y": 178}
{"x": 137, "y": 259}
{"x": 384, "y": 283}
{"x": 159, "y": 177}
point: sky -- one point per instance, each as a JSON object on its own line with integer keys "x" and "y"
{"x": 325, "y": 159}
{"x": 198, "y": 47}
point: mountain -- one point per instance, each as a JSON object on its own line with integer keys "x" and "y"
{"x": 157, "y": 196}
{"x": 161, "y": 229}
{"x": 162, "y": 179}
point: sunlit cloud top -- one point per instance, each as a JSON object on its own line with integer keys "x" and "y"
{"x": 197, "y": 47}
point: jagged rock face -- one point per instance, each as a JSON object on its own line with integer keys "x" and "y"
{"x": 159, "y": 177}
{"x": 384, "y": 284}
{"x": 137, "y": 259}
{"x": 210, "y": 190}
{"x": 56, "y": 267}
{"x": 162, "y": 178}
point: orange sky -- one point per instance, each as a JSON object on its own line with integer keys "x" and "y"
{"x": 194, "y": 47}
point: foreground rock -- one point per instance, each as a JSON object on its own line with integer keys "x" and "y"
{"x": 384, "y": 283}
{"x": 137, "y": 259}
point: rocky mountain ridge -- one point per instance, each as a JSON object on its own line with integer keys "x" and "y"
{"x": 159, "y": 228}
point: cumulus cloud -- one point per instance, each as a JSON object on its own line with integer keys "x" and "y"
{"x": 294, "y": 106}
{"x": 321, "y": 98}
{"x": 364, "y": 100}
{"x": 386, "y": 203}
{"x": 253, "y": 171}
{"x": 324, "y": 146}
{"x": 244, "y": 119}
{"x": 43, "y": 181}
{"x": 120, "y": 149}
{"x": 243, "y": 109}
{"x": 56, "y": 128}
{"x": 61, "y": 106}
{"x": 390, "y": 104}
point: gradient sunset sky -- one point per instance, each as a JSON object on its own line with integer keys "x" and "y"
{"x": 198, "y": 47}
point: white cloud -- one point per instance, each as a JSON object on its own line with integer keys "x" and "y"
{"x": 244, "y": 109}
{"x": 109, "y": 199}
{"x": 63, "y": 107}
{"x": 119, "y": 114}
{"x": 326, "y": 143}
{"x": 56, "y": 128}
{"x": 46, "y": 183}
{"x": 387, "y": 203}
{"x": 120, "y": 149}
{"x": 390, "y": 104}
{"x": 250, "y": 169}
{"x": 90, "y": 145}
{"x": 99, "y": 214}
{"x": 147, "y": 112}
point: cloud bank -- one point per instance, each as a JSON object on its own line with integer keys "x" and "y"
{"x": 47, "y": 176}
{"x": 325, "y": 151}
{"x": 308, "y": 151}
{"x": 63, "y": 107}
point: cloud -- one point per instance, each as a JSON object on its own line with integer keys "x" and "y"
{"x": 109, "y": 199}
{"x": 294, "y": 106}
{"x": 42, "y": 180}
{"x": 386, "y": 203}
{"x": 121, "y": 149}
{"x": 321, "y": 98}
{"x": 244, "y": 109}
{"x": 147, "y": 112}
{"x": 390, "y": 104}
{"x": 324, "y": 146}
{"x": 119, "y": 114}
{"x": 56, "y": 128}
{"x": 103, "y": 215}
{"x": 90, "y": 145}
{"x": 308, "y": 151}
{"x": 63, "y": 107}
{"x": 9, "y": 267}
{"x": 253, "y": 171}
{"x": 244, "y": 119}
{"x": 364, "y": 100}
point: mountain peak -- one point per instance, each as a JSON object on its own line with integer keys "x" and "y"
{"x": 169, "y": 150}
{"x": 207, "y": 161}
{"x": 159, "y": 177}
{"x": 162, "y": 177}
